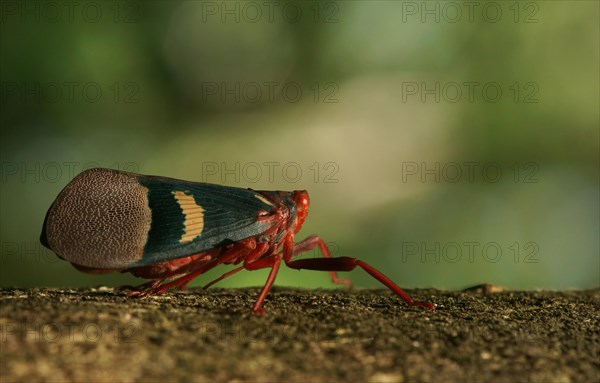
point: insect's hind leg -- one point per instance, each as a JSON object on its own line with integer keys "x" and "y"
{"x": 260, "y": 250}
{"x": 136, "y": 290}
{"x": 159, "y": 287}
{"x": 226, "y": 275}
{"x": 348, "y": 264}
{"x": 311, "y": 243}
{"x": 182, "y": 276}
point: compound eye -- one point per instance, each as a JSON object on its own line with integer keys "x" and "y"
{"x": 304, "y": 202}
{"x": 302, "y": 199}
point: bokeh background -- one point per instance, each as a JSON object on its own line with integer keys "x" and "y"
{"x": 446, "y": 144}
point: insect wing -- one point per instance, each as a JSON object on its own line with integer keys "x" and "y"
{"x": 190, "y": 217}
{"x": 107, "y": 219}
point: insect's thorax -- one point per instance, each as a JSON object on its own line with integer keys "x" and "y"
{"x": 292, "y": 208}
{"x": 285, "y": 211}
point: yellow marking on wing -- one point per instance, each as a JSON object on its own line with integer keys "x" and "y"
{"x": 194, "y": 216}
{"x": 263, "y": 199}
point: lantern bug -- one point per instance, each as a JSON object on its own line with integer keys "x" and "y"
{"x": 172, "y": 231}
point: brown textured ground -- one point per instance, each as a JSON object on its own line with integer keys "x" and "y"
{"x": 100, "y": 335}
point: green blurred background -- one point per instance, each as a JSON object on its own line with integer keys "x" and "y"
{"x": 374, "y": 107}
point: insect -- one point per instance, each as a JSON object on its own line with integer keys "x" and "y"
{"x": 171, "y": 231}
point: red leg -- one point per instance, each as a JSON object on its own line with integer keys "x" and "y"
{"x": 257, "y": 253}
{"x": 144, "y": 286}
{"x": 254, "y": 262}
{"x": 187, "y": 273}
{"x": 227, "y": 274}
{"x": 167, "y": 269}
{"x": 347, "y": 264}
{"x": 309, "y": 244}
{"x": 157, "y": 287}
{"x": 265, "y": 262}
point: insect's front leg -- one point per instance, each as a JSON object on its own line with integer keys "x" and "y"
{"x": 311, "y": 243}
{"x": 344, "y": 264}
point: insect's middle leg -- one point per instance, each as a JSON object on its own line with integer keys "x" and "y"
{"x": 255, "y": 261}
{"x": 273, "y": 263}
{"x": 311, "y": 243}
{"x": 260, "y": 250}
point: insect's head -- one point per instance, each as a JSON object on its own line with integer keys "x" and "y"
{"x": 301, "y": 200}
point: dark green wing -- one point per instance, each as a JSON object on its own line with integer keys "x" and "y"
{"x": 191, "y": 217}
